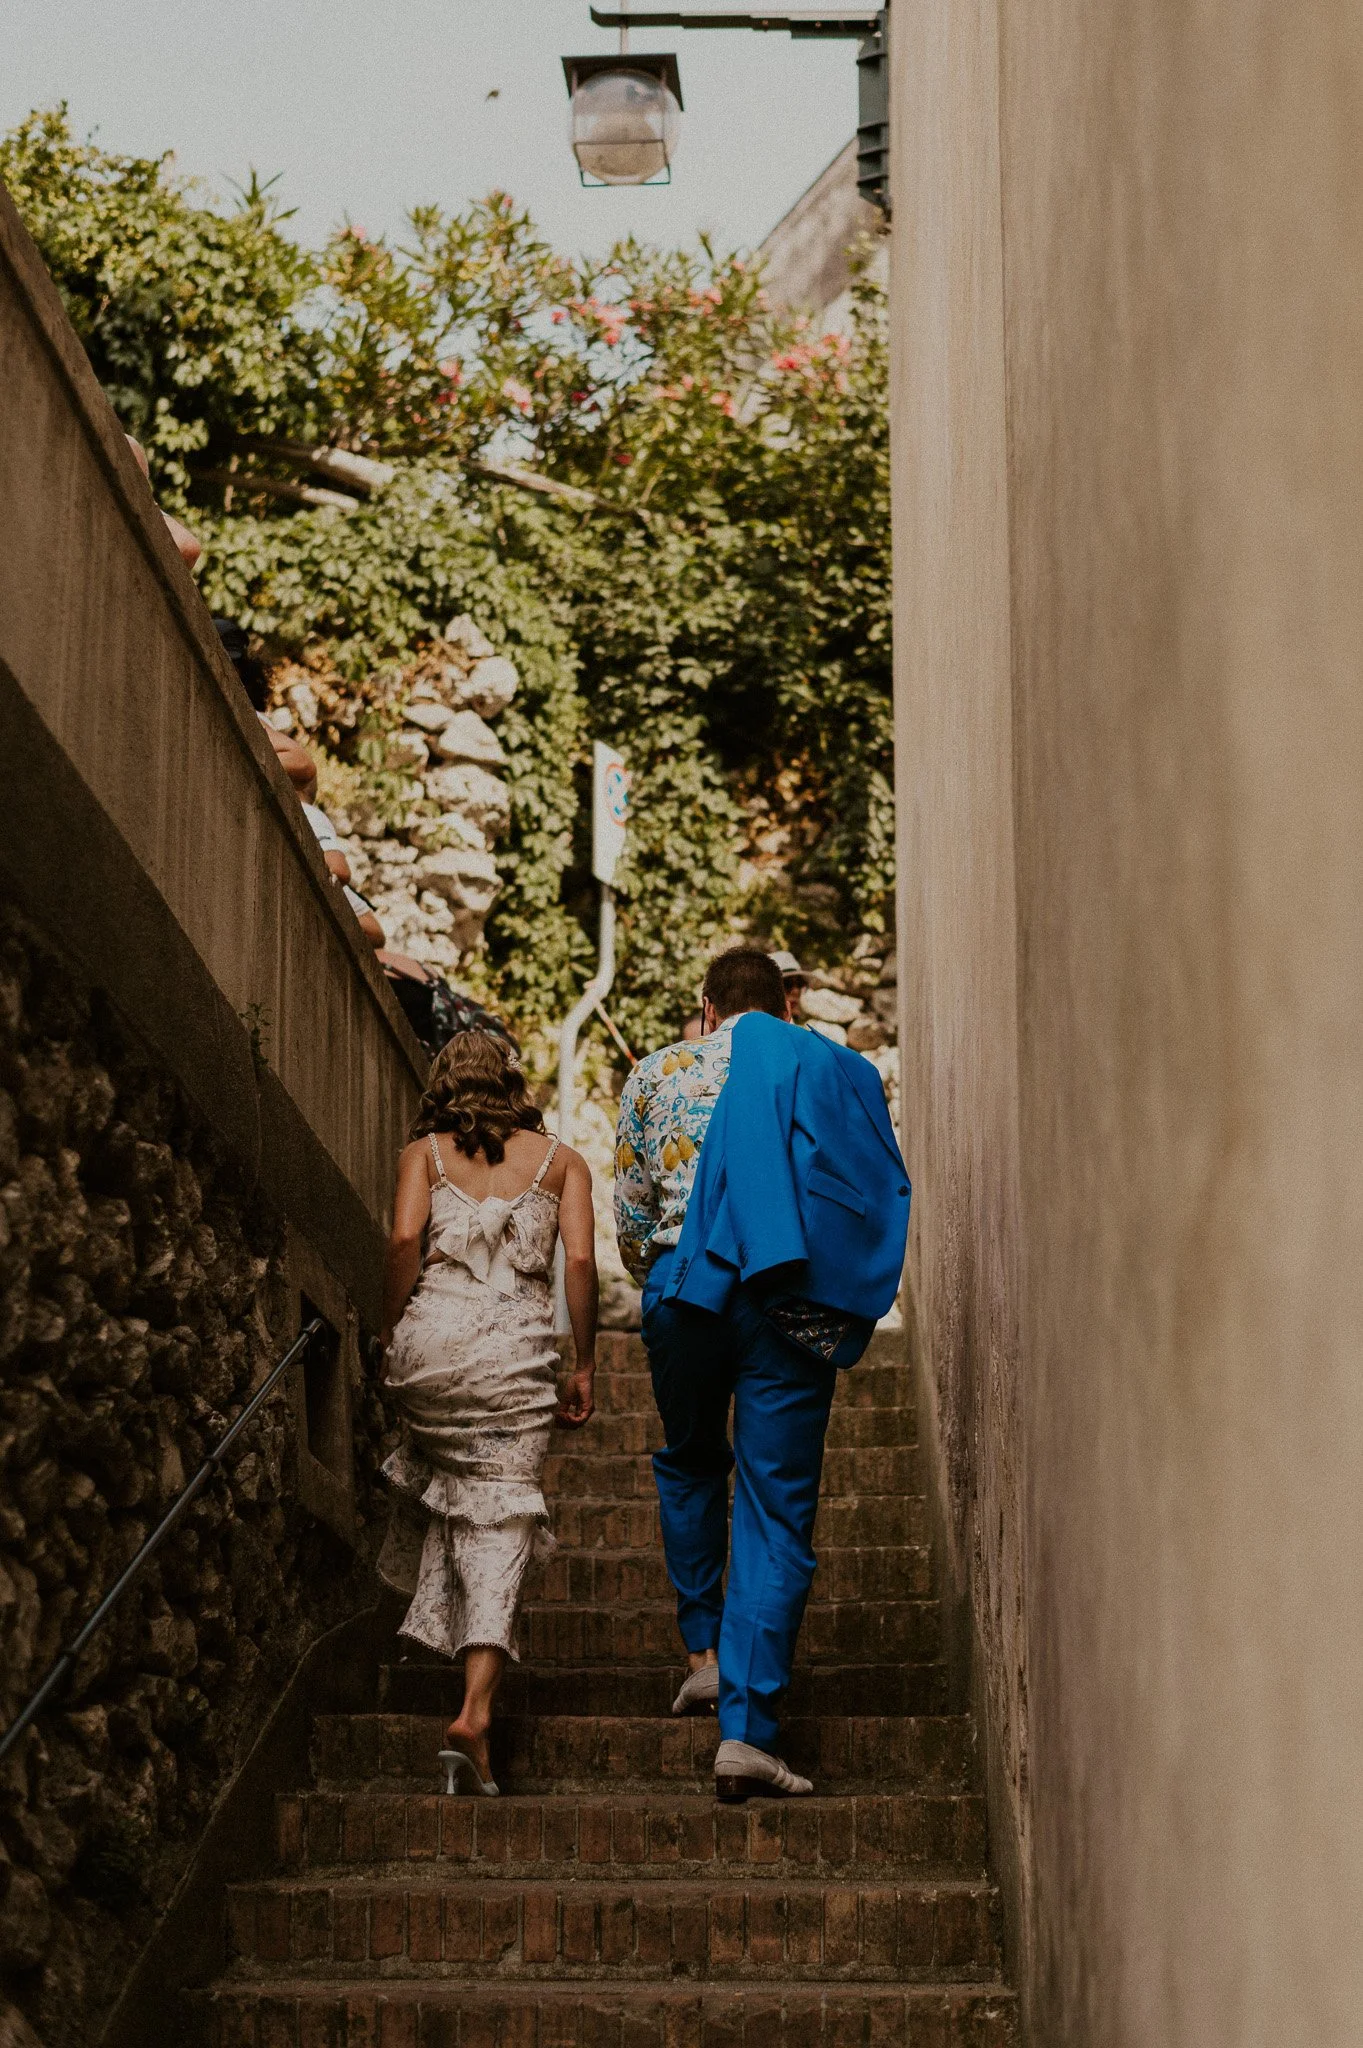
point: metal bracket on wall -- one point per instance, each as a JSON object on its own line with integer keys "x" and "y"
{"x": 870, "y": 26}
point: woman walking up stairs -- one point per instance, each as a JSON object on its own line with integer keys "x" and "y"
{"x": 606, "y": 1899}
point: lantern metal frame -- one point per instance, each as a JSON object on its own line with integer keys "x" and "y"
{"x": 867, "y": 25}
{"x": 661, "y": 69}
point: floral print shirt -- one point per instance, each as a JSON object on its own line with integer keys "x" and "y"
{"x": 664, "y": 1113}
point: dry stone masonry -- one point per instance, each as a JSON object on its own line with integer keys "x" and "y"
{"x": 858, "y": 1006}
{"x": 141, "y": 1294}
{"x": 432, "y": 878}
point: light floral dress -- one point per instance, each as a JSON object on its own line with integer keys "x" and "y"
{"x": 473, "y": 1367}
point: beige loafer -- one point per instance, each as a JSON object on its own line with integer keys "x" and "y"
{"x": 742, "y": 1772}
{"x": 700, "y": 1693}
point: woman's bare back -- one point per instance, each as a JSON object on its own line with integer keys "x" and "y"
{"x": 514, "y": 1173}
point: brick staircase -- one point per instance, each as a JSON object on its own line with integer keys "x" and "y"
{"x": 608, "y": 1900}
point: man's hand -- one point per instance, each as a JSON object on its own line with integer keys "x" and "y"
{"x": 579, "y": 1403}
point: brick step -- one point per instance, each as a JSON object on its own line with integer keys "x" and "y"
{"x": 763, "y": 1926}
{"x": 563, "y": 1753}
{"x": 636, "y": 1835}
{"x": 591, "y": 1522}
{"x": 875, "y": 1632}
{"x": 630, "y": 1391}
{"x": 649, "y": 1689}
{"x": 284, "y": 2014}
{"x": 609, "y": 1434}
{"x": 624, "y": 1476}
{"x": 631, "y": 1578}
{"x": 624, "y": 1351}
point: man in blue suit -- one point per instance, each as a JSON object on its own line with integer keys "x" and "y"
{"x": 787, "y": 1247}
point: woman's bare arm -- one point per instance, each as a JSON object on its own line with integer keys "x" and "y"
{"x": 411, "y": 1208}
{"x": 577, "y": 1228}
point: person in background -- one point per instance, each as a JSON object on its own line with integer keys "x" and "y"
{"x": 794, "y": 980}
{"x": 251, "y": 674}
{"x": 435, "y": 1011}
{"x": 293, "y": 758}
{"x": 484, "y": 1195}
{"x": 338, "y": 867}
{"x": 188, "y": 545}
{"x": 301, "y": 770}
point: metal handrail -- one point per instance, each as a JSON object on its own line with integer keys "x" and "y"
{"x": 66, "y": 1662}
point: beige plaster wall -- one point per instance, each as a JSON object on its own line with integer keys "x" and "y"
{"x": 1128, "y": 307}
{"x": 122, "y": 713}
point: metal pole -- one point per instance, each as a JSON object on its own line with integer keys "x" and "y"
{"x": 67, "y": 1660}
{"x": 596, "y": 991}
{"x": 808, "y": 21}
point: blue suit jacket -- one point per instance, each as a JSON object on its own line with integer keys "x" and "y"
{"x": 799, "y": 1169}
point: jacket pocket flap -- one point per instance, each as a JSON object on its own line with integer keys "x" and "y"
{"x": 834, "y": 1190}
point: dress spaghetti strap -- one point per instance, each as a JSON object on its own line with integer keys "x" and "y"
{"x": 545, "y": 1165}
{"x": 439, "y": 1162}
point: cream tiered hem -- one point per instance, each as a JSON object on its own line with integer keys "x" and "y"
{"x": 458, "y": 1550}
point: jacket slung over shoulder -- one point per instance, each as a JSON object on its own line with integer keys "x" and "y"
{"x": 799, "y": 1171}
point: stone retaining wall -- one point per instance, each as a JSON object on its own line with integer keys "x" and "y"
{"x": 204, "y": 1083}
{"x": 144, "y": 1288}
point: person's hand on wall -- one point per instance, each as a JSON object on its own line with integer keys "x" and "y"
{"x": 187, "y": 544}
{"x": 294, "y": 759}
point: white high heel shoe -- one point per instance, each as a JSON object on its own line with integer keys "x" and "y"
{"x": 452, "y": 1761}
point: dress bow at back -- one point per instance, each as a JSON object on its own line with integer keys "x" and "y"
{"x": 475, "y": 1237}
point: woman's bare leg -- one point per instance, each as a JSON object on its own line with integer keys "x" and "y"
{"x": 483, "y": 1670}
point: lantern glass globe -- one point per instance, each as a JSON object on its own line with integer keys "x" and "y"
{"x": 624, "y": 127}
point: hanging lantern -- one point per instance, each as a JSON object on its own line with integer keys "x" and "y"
{"x": 624, "y": 118}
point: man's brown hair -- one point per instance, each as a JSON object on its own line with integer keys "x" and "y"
{"x": 744, "y": 978}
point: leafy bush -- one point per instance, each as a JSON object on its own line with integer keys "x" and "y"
{"x": 715, "y": 600}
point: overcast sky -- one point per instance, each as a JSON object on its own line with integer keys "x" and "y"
{"x": 367, "y": 107}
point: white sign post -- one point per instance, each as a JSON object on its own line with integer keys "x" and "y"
{"x": 610, "y": 809}
{"x": 610, "y": 817}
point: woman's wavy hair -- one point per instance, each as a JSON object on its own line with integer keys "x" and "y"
{"x": 479, "y": 1094}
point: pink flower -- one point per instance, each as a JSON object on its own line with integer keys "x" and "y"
{"x": 722, "y": 400}
{"x": 452, "y": 368}
{"x": 520, "y": 397}
{"x": 558, "y": 316}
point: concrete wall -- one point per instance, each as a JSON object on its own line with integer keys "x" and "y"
{"x": 204, "y": 1084}
{"x": 149, "y": 828}
{"x": 1128, "y": 309}
{"x": 806, "y": 255}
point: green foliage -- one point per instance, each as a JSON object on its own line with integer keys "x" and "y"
{"x": 723, "y": 617}
{"x": 193, "y": 318}
{"x": 375, "y": 588}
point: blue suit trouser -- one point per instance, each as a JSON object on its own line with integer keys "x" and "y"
{"x": 781, "y": 1396}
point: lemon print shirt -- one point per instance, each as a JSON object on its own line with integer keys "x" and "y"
{"x": 664, "y": 1113}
